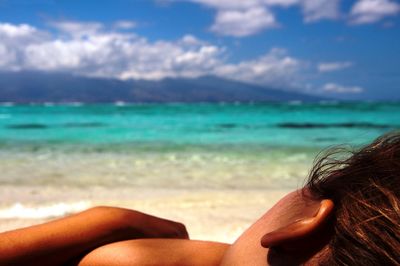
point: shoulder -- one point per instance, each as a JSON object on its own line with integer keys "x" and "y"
{"x": 152, "y": 252}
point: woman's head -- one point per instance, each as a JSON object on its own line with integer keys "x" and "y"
{"x": 346, "y": 214}
{"x": 365, "y": 190}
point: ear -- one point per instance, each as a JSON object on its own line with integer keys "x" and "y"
{"x": 302, "y": 234}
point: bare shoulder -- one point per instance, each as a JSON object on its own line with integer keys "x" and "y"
{"x": 154, "y": 252}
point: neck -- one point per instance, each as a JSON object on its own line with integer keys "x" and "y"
{"x": 247, "y": 249}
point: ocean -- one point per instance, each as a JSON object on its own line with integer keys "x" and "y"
{"x": 179, "y": 145}
{"x": 53, "y": 149}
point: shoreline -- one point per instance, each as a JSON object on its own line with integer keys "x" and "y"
{"x": 209, "y": 214}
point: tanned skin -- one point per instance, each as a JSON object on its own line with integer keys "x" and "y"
{"x": 297, "y": 226}
{"x": 67, "y": 239}
{"x": 157, "y": 252}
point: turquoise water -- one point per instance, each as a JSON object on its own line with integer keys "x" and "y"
{"x": 311, "y": 125}
{"x": 208, "y": 145}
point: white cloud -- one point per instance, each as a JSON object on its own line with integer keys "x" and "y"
{"x": 229, "y": 4}
{"x": 240, "y": 23}
{"x": 282, "y": 3}
{"x": 333, "y": 66}
{"x": 89, "y": 49}
{"x": 77, "y": 29}
{"x": 370, "y": 11}
{"x": 16, "y": 31}
{"x": 125, "y": 24}
{"x": 241, "y": 18}
{"x": 7, "y": 59}
{"x": 276, "y": 68}
{"x": 13, "y": 38}
{"x": 315, "y": 10}
{"x": 336, "y": 88}
{"x": 22, "y": 32}
{"x": 189, "y": 39}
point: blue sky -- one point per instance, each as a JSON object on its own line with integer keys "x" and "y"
{"x": 340, "y": 48}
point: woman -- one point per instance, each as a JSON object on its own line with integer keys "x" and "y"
{"x": 347, "y": 214}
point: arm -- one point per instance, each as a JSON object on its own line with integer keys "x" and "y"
{"x": 156, "y": 252}
{"x": 60, "y": 241}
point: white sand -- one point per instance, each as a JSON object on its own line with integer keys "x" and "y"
{"x": 218, "y": 215}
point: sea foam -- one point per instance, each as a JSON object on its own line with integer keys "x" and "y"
{"x": 20, "y": 211}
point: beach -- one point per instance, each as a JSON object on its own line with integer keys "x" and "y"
{"x": 216, "y": 215}
{"x": 214, "y": 167}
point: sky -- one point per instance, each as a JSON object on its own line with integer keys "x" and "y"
{"x": 335, "y": 48}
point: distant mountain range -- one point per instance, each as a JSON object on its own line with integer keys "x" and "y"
{"x": 39, "y": 87}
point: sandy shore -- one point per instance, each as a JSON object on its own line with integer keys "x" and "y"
{"x": 218, "y": 215}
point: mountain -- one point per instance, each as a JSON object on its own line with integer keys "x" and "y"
{"x": 39, "y": 87}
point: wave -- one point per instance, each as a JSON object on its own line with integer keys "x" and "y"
{"x": 228, "y": 125}
{"x": 20, "y": 211}
{"x": 44, "y": 126}
{"x": 27, "y": 126}
{"x": 84, "y": 124}
{"x": 309, "y": 125}
{"x": 337, "y": 125}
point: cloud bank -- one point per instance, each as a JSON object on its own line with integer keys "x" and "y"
{"x": 91, "y": 49}
{"x": 371, "y": 11}
{"x": 240, "y": 23}
{"x": 336, "y": 88}
{"x": 333, "y": 66}
{"x": 241, "y": 18}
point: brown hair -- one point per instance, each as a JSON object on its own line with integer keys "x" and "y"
{"x": 365, "y": 187}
